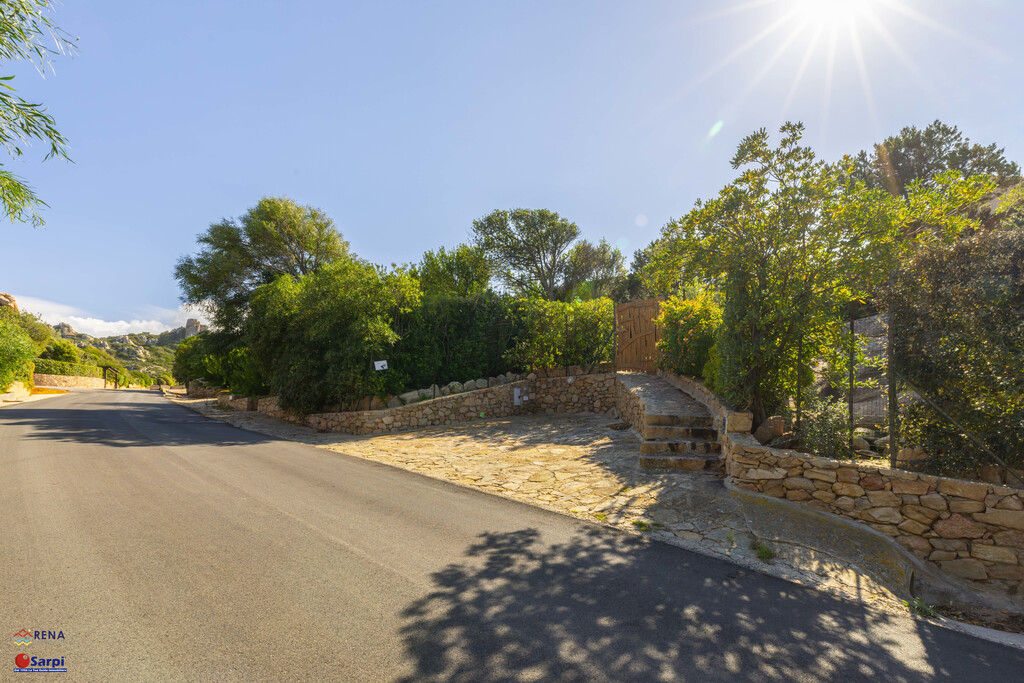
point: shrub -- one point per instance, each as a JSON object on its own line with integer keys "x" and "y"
{"x": 826, "y": 429}
{"x": 688, "y": 331}
{"x": 556, "y": 334}
{"x": 45, "y": 366}
{"x": 61, "y": 350}
{"x": 16, "y": 351}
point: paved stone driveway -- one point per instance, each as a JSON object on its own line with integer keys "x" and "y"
{"x": 584, "y": 465}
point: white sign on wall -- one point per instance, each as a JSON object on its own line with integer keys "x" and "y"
{"x": 380, "y": 365}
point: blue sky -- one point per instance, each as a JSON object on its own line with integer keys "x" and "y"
{"x": 405, "y": 121}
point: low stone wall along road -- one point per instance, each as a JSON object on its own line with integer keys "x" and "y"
{"x": 170, "y": 547}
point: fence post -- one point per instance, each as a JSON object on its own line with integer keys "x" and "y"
{"x": 799, "y": 377}
{"x": 853, "y": 370}
{"x": 890, "y": 373}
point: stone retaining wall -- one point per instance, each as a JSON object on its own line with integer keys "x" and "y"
{"x": 67, "y": 381}
{"x": 631, "y": 407}
{"x": 201, "y": 391}
{"x": 586, "y": 393}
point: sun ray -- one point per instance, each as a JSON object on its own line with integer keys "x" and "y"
{"x": 793, "y": 35}
{"x": 830, "y": 64}
{"x": 938, "y": 27}
{"x": 862, "y": 69}
{"x": 803, "y": 68}
{"x": 729, "y": 11}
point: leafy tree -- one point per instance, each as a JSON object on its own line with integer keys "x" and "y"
{"x": 26, "y": 30}
{"x": 534, "y": 255}
{"x": 689, "y": 329}
{"x": 461, "y": 272}
{"x": 633, "y": 286}
{"x": 40, "y": 333}
{"x": 315, "y": 337}
{"x": 16, "y": 351}
{"x": 592, "y": 271}
{"x": 61, "y": 350}
{"x": 789, "y": 244}
{"x": 276, "y": 237}
{"x": 189, "y": 359}
{"x": 921, "y": 155}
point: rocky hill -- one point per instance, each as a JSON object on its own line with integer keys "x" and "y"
{"x": 146, "y": 351}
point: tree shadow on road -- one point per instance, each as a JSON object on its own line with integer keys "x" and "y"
{"x": 604, "y": 606}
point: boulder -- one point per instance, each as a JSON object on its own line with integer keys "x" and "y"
{"x": 769, "y": 429}
{"x": 394, "y": 402}
{"x": 861, "y": 444}
{"x": 481, "y": 384}
{"x": 455, "y": 387}
{"x": 409, "y": 397}
{"x": 445, "y": 391}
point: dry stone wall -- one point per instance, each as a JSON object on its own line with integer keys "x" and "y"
{"x": 67, "y": 381}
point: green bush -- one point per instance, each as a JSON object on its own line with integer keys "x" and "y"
{"x": 825, "y": 431}
{"x": 453, "y": 338}
{"x": 16, "y": 351}
{"x": 45, "y": 366}
{"x": 555, "y": 334}
{"x": 61, "y": 350}
{"x": 316, "y": 337}
{"x": 688, "y": 331}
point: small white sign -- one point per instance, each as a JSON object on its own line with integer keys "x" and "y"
{"x": 380, "y": 365}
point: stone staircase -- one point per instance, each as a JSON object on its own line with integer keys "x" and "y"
{"x": 677, "y": 431}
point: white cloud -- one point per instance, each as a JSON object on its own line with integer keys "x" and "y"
{"x": 159, "y": 319}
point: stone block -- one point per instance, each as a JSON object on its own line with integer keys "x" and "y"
{"x": 934, "y": 501}
{"x": 845, "y": 489}
{"x": 911, "y": 526}
{"x": 965, "y": 569}
{"x": 920, "y": 514}
{"x": 966, "y": 506}
{"x": 847, "y": 475}
{"x": 941, "y": 555}
{"x": 739, "y": 422}
{"x": 1010, "y": 503}
{"x": 872, "y": 482}
{"x": 963, "y": 489}
{"x": 887, "y": 515}
{"x": 1006, "y": 572}
{"x": 845, "y": 503}
{"x": 774, "y": 473}
{"x": 821, "y": 475}
{"x": 824, "y": 464}
{"x": 798, "y": 483}
{"x": 1009, "y": 538}
{"x": 916, "y": 488}
{"x": 884, "y": 499}
{"x": 797, "y": 495}
{"x": 824, "y": 496}
{"x": 994, "y": 553}
{"x": 1011, "y": 519}
{"x": 887, "y": 529}
{"x": 958, "y": 526}
{"x": 775, "y": 489}
{"x": 947, "y": 544}
{"x": 916, "y": 544}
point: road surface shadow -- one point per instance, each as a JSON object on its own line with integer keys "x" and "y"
{"x": 604, "y": 606}
{"x": 124, "y": 425}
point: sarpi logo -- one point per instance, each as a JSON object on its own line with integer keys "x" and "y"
{"x": 25, "y": 636}
{"x": 24, "y": 663}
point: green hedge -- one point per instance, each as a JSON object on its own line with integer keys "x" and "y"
{"x": 45, "y": 366}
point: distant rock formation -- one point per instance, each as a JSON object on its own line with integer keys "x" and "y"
{"x": 7, "y": 301}
{"x": 193, "y": 327}
{"x": 65, "y": 330}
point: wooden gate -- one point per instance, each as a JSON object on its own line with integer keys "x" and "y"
{"x": 637, "y": 336}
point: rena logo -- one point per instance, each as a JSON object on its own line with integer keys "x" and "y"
{"x": 23, "y": 637}
{"x": 21, "y": 661}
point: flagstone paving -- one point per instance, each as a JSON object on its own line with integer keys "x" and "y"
{"x": 584, "y": 465}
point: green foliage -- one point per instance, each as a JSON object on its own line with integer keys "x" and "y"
{"x": 276, "y": 237}
{"x": 16, "y": 351}
{"x": 825, "y": 429}
{"x": 26, "y": 34}
{"x": 61, "y": 350}
{"x": 40, "y": 333}
{"x": 788, "y": 244}
{"x": 922, "y": 155}
{"x": 689, "y": 329}
{"x": 557, "y": 334}
{"x": 958, "y": 316}
{"x": 450, "y": 338}
{"x": 534, "y": 255}
{"x": 190, "y": 359}
{"x": 461, "y": 272}
{"x": 763, "y": 550}
{"x": 921, "y": 608}
{"x": 46, "y": 366}
{"x": 315, "y": 338}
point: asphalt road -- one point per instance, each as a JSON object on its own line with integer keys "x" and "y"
{"x": 167, "y": 547}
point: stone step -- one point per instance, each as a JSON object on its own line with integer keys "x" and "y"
{"x": 705, "y": 421}
{"x": 685, "y": 446}
{"x": 675, "y": 432}
{"x": 689, "y": 463}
